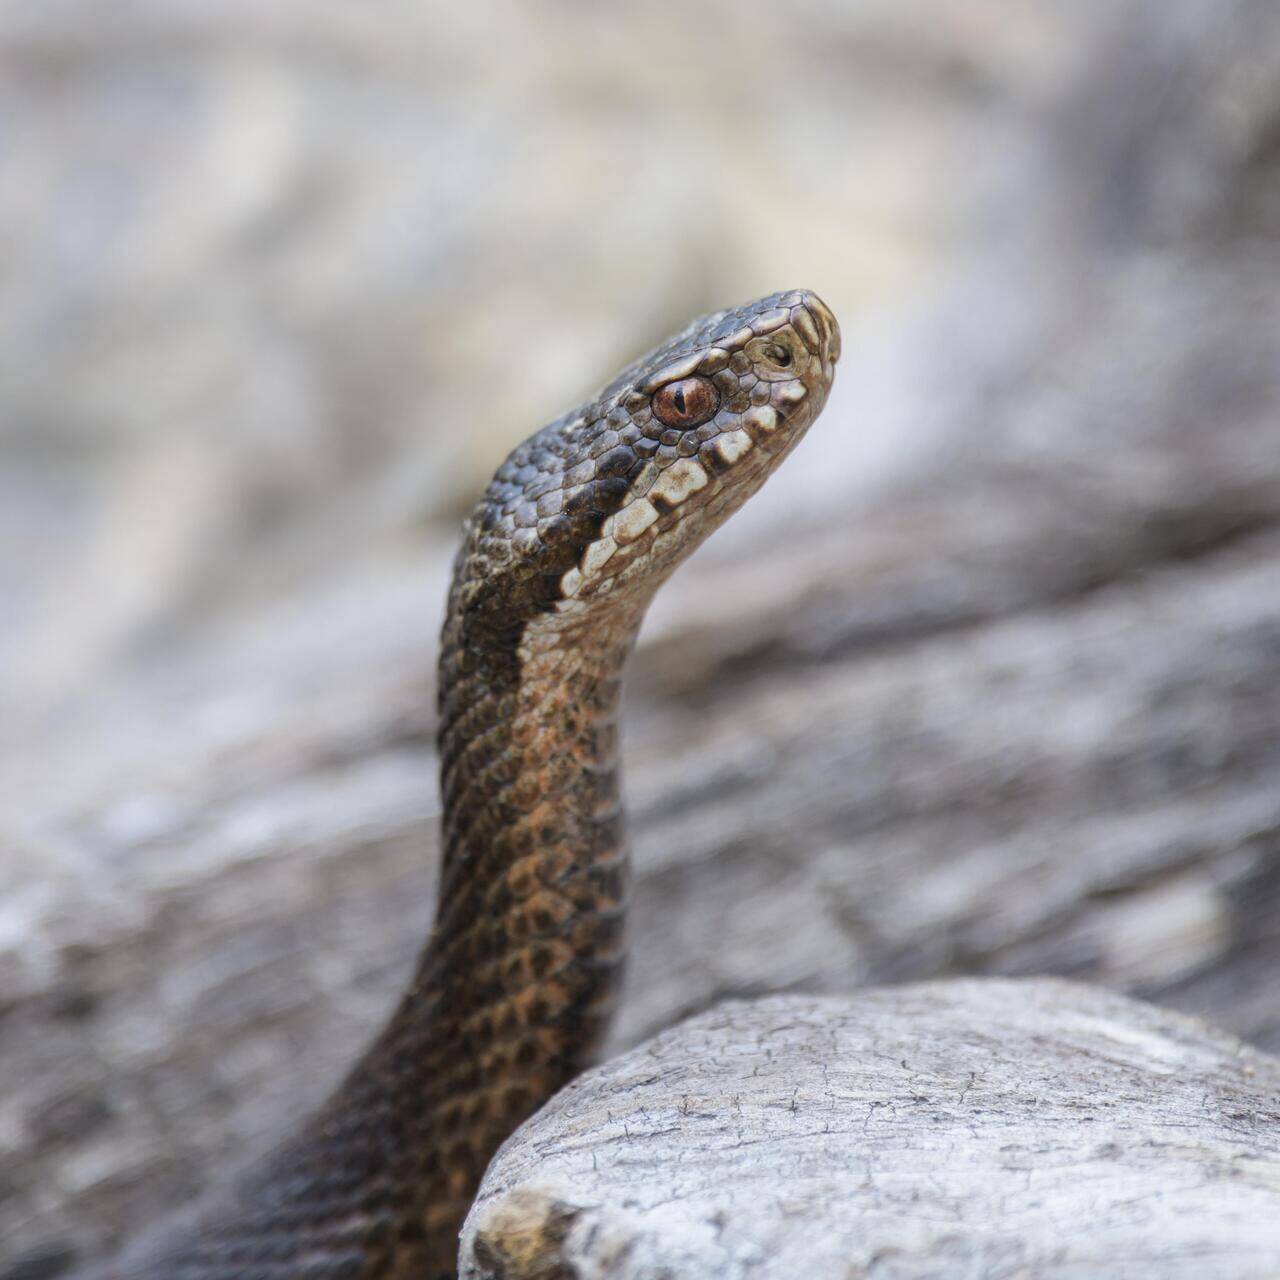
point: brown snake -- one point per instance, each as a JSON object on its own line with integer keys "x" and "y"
{"x": 559, "y": 560}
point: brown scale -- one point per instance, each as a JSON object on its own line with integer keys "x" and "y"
{"x": 516, "y": 982}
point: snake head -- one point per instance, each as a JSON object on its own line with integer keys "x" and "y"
{"x": 694, "y": 428}
{"x": 601, "y": 505}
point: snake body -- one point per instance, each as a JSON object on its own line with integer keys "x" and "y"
{"x": 559, "y": 560}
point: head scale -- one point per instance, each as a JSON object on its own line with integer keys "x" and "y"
{"x": 601, "y": 505}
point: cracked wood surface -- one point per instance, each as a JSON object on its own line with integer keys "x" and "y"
{"x": 969, "y": 1127}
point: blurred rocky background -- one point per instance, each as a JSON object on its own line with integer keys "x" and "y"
{"x": 988, "y": 681}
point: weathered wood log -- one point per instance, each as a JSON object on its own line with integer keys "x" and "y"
{"x": 981, "y": 1127}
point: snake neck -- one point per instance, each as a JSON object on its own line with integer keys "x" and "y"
{"x": 528, "y": 769}
{"x": 527, "y": 941}
{"x": 517, "y": 981}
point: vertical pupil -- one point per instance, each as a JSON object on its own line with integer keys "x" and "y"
{"x": 679, "y": 399}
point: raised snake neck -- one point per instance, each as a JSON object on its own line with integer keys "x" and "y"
{"x": 577, "y": 530}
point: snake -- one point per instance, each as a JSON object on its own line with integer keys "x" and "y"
{"x": 521, "y": 970}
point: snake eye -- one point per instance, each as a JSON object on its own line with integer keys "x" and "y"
{"x": 687, "y": 403}
{"x": 777, "y": 354}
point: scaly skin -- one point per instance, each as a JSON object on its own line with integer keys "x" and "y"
{"x": 577, "y": 530}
